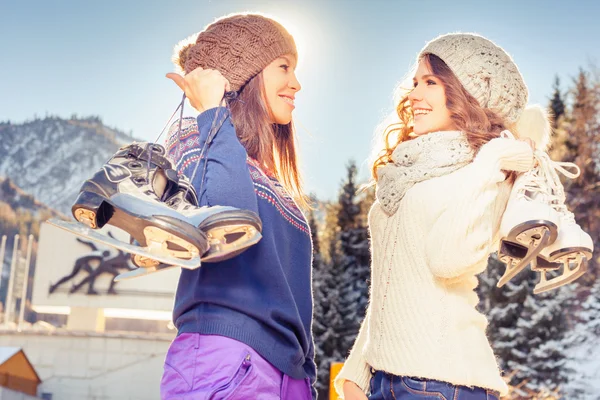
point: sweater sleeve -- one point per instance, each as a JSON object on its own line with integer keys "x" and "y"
{"x": 465, "y": 230}
{"x": 356, "y": 369}
{"x": 222, "y": 177}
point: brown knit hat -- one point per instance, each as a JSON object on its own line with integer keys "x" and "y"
{"x": 238, "y": 45}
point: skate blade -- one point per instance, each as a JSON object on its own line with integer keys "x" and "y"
{"x": 80, "y": 229}
{"x": 139, "y": 272}
{"x": 166, "y": 244}
{"x": 539, "y": 238}
{"x": 513, "y": 267}
{"x": 557, "y": 259}
{"x": 568, "y": 275}
{"x": 230, "y": 240}
{"x": 543, "y": 264}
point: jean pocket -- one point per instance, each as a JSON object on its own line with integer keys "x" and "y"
{"x": 227, "y": 390}
{"x": 418, "y": 387}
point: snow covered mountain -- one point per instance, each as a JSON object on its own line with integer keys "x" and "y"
{"x": 50, "y": 158}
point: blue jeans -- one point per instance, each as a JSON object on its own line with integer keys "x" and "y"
{"x": 391, "y": 387}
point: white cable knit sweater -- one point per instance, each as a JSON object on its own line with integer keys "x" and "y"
{"x": 421, "y": 320}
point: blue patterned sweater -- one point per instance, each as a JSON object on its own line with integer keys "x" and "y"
{"x": 262, "y": 297}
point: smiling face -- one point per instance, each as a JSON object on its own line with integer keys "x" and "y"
{"x": 280, "y": 87}
{"x": 428, "y": 102}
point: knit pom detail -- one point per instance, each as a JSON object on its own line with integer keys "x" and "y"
{"x": 181, "y": 52}
{"x": 534, "y": 124}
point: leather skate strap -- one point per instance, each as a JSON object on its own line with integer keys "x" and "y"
{"x": 141, "y": 153}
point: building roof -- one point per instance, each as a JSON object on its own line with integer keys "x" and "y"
{"x": 8, "y": 352}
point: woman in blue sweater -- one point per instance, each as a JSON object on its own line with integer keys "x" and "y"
{"x": 244, "y": 324}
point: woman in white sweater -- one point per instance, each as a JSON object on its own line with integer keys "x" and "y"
{"x": 443, "y": 182}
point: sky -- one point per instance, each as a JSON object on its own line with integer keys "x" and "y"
{"x": 109, "y": 59}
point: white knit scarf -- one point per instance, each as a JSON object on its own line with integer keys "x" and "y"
{"x": 428, "y": 156}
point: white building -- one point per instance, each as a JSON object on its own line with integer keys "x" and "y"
{"x": 112, "y": 346}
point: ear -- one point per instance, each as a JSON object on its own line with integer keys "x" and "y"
{"x": 535, "y": 125}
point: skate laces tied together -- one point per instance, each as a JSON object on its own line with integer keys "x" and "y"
{"x": 535, "y": 186}
{"x": 550, "y": 169}
{"x": 544, "y": 179}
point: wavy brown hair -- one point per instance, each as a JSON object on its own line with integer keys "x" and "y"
{"x": 479, "y": 124}
{"x": 272, "y": 145}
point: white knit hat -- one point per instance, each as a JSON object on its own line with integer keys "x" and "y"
{"x": 486, "y": 71}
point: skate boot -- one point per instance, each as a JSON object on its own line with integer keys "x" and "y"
{"x": 128, "y": 192}
{"x": 528, "y": 225}
{"x": 229, "y": 230}
{"x": 573, "y": 247}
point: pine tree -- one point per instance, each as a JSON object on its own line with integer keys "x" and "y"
{"x": 557, "y": 104}
{"x": 349, "y": 210}
{"x": 341, "y": 274}
{"x": 354, "y": 261}
{"x": 321, "y": 303}
{"x": 327, "y": 318}
{"x": 539, "y": 357}
{"x": 329, "y": 244}
{"x": 582, "y": 342}
{"x": 590, "y": 314}
{"x": 502, "y": 307}
{"x": 583, "y": 143}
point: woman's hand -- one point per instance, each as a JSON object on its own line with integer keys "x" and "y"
{"x": 353, "y": 392}
{"x": 204, "y": 88}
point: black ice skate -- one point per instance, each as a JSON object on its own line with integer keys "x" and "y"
{"x": 139, "y": 192}
{"x": 127, "y": 193}
{"x": 229, "y": 230}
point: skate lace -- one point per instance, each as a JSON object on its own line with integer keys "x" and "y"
{"x": 149, "y": 149}
{"x": 217, "y": 122}
{"x": 534, "y": 183}
{"x": 550, "y": 170}
{"x": 215, "y": 126}
{"x": 544, "y": 180}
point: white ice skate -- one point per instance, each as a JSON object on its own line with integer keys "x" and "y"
{"x": 569, "y": 254}
{"x": 528, "y": 225}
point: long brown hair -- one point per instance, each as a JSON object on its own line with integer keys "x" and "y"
{"x": 272, "y": 145}
{"x": 479, "y": 124}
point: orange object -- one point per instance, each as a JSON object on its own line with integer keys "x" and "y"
{"x": 334, "y": 369}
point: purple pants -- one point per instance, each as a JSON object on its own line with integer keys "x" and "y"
{"x": 211, "y": 367}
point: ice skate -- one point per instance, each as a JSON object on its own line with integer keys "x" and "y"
{"x": 229, "y": 230}
{"x": 569, "y": 254}
{"x": 128, "y": 193}
{"x": 529, "y": 224}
